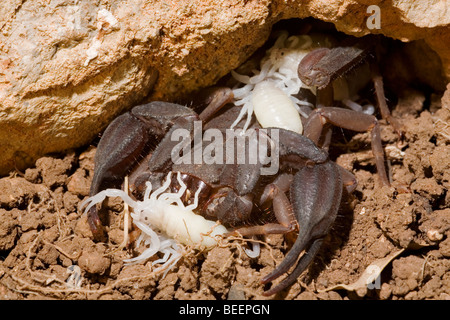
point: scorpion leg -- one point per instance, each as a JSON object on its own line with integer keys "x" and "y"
{"x": 352, "y": 120}
{"x": 214, "y": 99}
{"x": 348, "y": 179}
{"x": 315, "y": 196}
{"x": 274, "y": 193}
{"x": 381, "y": 99}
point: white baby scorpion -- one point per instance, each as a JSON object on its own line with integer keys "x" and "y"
{"x": 165, "y": 212}
{"x": 269, "y": 93}
{"x": 273, "y": 108}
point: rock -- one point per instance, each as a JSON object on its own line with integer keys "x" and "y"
{"x": 8, "y": 230}
{"x": 79, "y": 183}
{"x": 53, "y": 171}
{"x": 94, "y": 261}
{"x": 16, "y": 192}
{"x": 67, "y": 68}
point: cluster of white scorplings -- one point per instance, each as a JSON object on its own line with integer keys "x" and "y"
{"x": 269, "y": 93}
{"x": 165, "y": 221}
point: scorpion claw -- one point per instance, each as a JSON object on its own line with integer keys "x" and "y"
{"x": 302, "y": 264}
{"x": 96, "y": 225}
{"x": 124, "y": 141}
{"x": 315, "y": 194}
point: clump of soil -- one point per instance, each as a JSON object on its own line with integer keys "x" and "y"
{"x": 47, "y": 250}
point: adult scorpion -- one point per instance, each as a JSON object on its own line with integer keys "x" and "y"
{"x": 304, "y": 194}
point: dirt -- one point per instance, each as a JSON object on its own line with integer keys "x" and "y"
{"x": 47, "y": 250}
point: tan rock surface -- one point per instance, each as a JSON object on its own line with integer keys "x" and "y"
{"x": 67, "y": 68}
